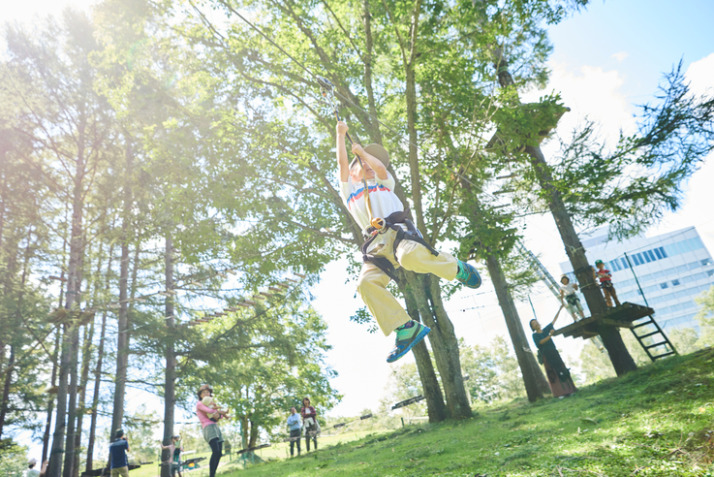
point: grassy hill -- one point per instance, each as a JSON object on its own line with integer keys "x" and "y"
{"x": 657, "y": 421}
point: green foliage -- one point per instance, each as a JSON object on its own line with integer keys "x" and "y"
{"x": 261, "y": 366}
{"x": 139, "y": 428}
{"x": 655, "y": 421}
{"x": 631, "y": 186}
{"x": 705, "y": 317}
{"x": 13, "y": 459}
{"x": 493, "y": 372}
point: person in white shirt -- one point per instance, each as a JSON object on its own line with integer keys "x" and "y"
{"x": 567, "y": 291}
{"x": 396, "y": 243}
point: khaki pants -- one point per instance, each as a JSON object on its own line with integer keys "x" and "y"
{"x": 120, "y": 472}
{"x": 413, "y": 256}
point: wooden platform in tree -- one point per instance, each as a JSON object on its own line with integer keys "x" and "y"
{"x": 620, "y": 317}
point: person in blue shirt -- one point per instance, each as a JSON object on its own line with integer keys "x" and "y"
{"x": 561, "y": 384}
{"x": 118, "y": 461}
{"x": 294, "y": 426}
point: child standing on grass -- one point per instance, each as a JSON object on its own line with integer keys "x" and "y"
{"x": 174, "y": 455}
{"x": 396, "y": 244}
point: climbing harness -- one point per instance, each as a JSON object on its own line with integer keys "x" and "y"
{"x": 328, "y": 92}
{"x": 397, "y": 223}
{"x": 404, "y": 229}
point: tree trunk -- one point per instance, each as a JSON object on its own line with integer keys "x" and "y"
{"x": 123, "y": 318}
{"x": 51, "y": 399}
{"x": 533, "y": 379}
{"x": 98, "y": 374}
{"x": 612, "y": 340}
{"x": 244, "y": 432}
{"x": 435, "y": 406}
{"x": 446, "y": 352}
{"x": 445, "y": 347}
{"x": 55, "y": 365}
{"x": 70, "y": 337}
{"x": 253, "y": 439}
{"x": 74, "y": 284}
{"x": 170, "y": 373}
{"x": 619, "y": 355}
{"x": 81, "y": 406}
{"x": 7, "y": 381}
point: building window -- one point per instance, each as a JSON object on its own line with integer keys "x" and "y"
{"x": 651, "y": 255}
{"x": 646, "y": 257}
{"x": 663, "y": 285}
{"x": 661, "y": 250}
{"x": 636, "y": 258}
{"x": 675, "y": 282}
{"x": 707, "y": 261}
{"x": 658, "y": 254}
{"x": 624, "y": 263}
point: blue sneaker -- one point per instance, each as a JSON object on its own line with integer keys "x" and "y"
{"x": 468, "y": 275}
{"x": 409, "y": 334}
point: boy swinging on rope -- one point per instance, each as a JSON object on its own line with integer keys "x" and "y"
{"x": 393, "y": 244}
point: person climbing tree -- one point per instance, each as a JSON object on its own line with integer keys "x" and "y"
{"x": 392, "y": 241}
{"x": 561, "y": 384}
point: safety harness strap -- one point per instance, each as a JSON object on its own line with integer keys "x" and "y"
{"x": 393, "y": 221}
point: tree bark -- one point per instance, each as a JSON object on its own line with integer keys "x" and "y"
{"x": 7, "y": 381}
{"x": 97, "y": 374}
{"x": 74, "y": 286}
{"x": 122, "y": 362}
{"x": 170, "y": 373}
{"x": 71, "y": 331}
{"x": 51, "y": 399}
{"x": 426, "y": 292}
{"x": 435, "y": 406}
{"x": 533, "y": 378}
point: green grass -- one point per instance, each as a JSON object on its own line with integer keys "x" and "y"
{"x": 231, "y": 462}
{"x": 657, "y": 421}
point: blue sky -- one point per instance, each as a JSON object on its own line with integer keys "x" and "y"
{"x": 655, "y": 34}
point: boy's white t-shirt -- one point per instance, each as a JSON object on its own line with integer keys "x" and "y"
{"x": 567, "y": 289}
{"x": 384, "y": 202}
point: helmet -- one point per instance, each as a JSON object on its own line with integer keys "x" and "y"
{"x": 599, "y": 262}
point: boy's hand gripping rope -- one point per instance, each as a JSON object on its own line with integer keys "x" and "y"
{"x": 328, "y": 93}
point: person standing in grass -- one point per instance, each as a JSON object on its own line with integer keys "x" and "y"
{"x": 211, "y": 431}
{"x": 294, "y": 426}
{"x": 561, "y": 384}
{"x": 174, "y": 455}
{"x": 118, "y": 460}
{"x": 309, "y": 419}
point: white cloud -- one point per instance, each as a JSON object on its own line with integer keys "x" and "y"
{"x": 620, "y": 56}
{"x": 701, "y": 75}
{"x": 591, "y": 93}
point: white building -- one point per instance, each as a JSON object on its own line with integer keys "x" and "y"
{"x": 673, "y": 269}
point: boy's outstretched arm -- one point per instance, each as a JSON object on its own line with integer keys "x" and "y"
{"x": 342, "y": 159}
{"x": 376, "y": 165}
